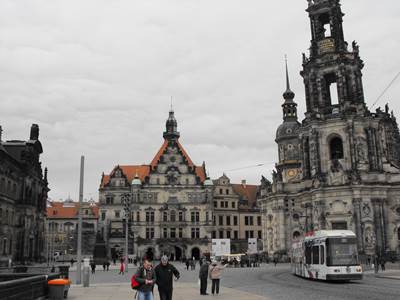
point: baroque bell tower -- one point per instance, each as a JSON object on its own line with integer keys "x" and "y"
{"x": 332, "y": 73}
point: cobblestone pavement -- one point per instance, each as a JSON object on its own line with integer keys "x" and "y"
{"x": 275, "y": 284}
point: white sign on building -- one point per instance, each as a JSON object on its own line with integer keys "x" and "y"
{"x": 252, "y": 246}
{"x": 220, "y": 247}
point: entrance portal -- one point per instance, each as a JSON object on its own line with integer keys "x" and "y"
{"x": 150, "y": 254}
{"x": 196, "y": 253}
{"x": 178, "y": 253}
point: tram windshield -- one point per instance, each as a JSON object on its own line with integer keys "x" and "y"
{"x": 342, "y": 252}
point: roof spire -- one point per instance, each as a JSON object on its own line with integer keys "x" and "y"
{"x": 171, "y": 125}
{"x": 288, "y": 95}
{"x": 172, "y": 109}
{"x": 287, "y": 75}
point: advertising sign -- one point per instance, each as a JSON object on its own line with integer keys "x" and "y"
{"x": 220, "y": 247}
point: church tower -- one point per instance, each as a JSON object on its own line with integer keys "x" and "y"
{"x": 332, "y": 73}
{"x": 287, "y": 137}
{"x": 345, "y": 170}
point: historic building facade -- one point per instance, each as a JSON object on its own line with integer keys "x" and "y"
{"x": 236, "y": 213}
{"x": 23, "y": 196}
{"x": 340, "y": 167}
{"x": 170, "y": 200}
{"x": 62, "y": 228}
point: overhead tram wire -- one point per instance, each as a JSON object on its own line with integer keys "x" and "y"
{"x": 386, "y": 89}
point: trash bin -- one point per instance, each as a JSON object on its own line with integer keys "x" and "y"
{"x": 58, "y": 288}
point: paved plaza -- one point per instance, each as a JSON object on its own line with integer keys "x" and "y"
{"x": 266, "y": 282}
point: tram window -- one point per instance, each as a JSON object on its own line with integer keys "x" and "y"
{"x": 322, "y": 254}
{"x": 315, "y": 255}
{"x": 308, "y": 255}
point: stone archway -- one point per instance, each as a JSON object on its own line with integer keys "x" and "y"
{"x": 196, "y": 253}
{"x": 178, "y": 253}
{"x": 149, "y": 253}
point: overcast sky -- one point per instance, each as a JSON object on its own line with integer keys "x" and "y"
{"x": 97, "y": 76}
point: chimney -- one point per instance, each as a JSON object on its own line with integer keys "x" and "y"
{"x": 34, "y": 132}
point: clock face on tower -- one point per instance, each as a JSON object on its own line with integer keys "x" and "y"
{"x": 292, "y": 173}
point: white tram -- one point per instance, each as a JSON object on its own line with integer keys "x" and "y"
{"x": 327, "y": 255}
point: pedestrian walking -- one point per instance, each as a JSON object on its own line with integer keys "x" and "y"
{"x": 164, "y": 274}
{"x": 146, "y": 277}
{"x": 187, "y": 265}
{"x": 203, "y": 275}
{"x": 122, "y": 267}
{"x": 383, "y": 263}
{"x": 275, "y": 261}
{"x": 93, "y": 266}
{"x": 108, "y": 265}
{"x": 215, "y": 276}
{"x": 104, "y": 266}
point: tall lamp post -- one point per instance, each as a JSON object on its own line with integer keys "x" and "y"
{"x": 126, "y": 198}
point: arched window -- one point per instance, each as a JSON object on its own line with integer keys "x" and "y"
{"x": 296, "y": 235}
{"x": 336, "y": 148}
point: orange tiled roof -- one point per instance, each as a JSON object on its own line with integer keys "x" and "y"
{"x": 144, "y": 170}
{"x": 247, "y": 191}
{"x": 62, "y": 210}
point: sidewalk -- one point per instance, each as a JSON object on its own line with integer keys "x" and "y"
{"x": 182, "y": 291}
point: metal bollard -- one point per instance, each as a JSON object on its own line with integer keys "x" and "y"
{"x": 86, "y": 272}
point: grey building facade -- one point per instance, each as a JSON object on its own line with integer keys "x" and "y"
{"x": 340, "y": 167}
{"x": 23, "y": 198}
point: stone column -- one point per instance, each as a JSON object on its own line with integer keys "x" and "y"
{"x": 357, "y": 221}
{"x": 377, "y": 224}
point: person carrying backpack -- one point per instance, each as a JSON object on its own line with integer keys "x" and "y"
{"x": 164, "y": 274}
{"x": 145, "y": 277}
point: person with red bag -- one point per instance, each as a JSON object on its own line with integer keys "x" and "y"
{"x": 143, "y": 281}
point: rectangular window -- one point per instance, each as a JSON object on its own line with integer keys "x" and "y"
{"x": 226, "y": 204}
{"x": 227, "y": 191}
{"x": 228, "y": 234}
{"x": 221, "y": 220}
{"x": 220, "y": 191}
{"x": 235, "y": 220}
{"x": 214, "y": 222}
{"x": 236, "y": 235}
{"x": 165, "y": 216}
{"x": 222, "y": 204}
{"x": 315, "y": 255}
{"x": 207, "y": 216}
{"x": 246, "y": 221}
{"x": 233, "y": 205}
{"x": 221, "y": 234}
{"x": 195, "y": 233}
{"x": 308, "y": 255}
{"x": 228, "y": 220}
{"x": 252, "y": 234}
{"x": 322, "y": 254}
{"x": 172, "y": 216}
{"x": 247, "y": 234}
{"x": 251, "y": 221}
{"x": 173, "y": 233}
{"x": 103, "y": 215}
{"x": 259, "y": 221}
{"x": 165, "y": 233}
{"x": 149, "y": 233}
{"x": 215, "y": 204}
{"x": 180, "y": 233}
{"x": 181, "y": 219}
{"x": 260, "y": 234}
{"x": 137, "y": 216}
{"x": 214, "y": 234}
{"x": 117, "y": 214}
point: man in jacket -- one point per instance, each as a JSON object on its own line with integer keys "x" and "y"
{"x": 203, "y": 274}
{"x": 146, "y": 277}
{"x": 164, "y": 274}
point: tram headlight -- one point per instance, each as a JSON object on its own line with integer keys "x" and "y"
{"x": 359, "y": 269}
